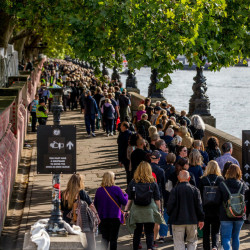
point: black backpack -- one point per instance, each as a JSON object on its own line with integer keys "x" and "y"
{"x": 209, "y": 193}
{"x": 143, "y": 194}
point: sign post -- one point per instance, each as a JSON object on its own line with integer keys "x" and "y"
{"x": 246, "y": 156}
{"x": 56, "y": 154}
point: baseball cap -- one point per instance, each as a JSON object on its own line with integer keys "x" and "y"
{"x": 155, "y": 154}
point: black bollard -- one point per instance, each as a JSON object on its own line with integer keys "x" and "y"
{"x": 153, "y": 92}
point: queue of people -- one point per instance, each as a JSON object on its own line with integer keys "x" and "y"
{"x": 175, "y": 185}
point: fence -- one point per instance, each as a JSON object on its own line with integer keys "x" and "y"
{"x": 14, "y": 115}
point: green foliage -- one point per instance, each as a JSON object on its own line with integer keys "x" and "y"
{"x": 149, "y": 32}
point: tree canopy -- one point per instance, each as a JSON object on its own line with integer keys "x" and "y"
{"x": 149, "y": 32}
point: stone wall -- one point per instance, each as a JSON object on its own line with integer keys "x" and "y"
{"x": 137, "y": 99}
{"x": 14, "y": 114}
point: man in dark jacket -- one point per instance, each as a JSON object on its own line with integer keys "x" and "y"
{"x": 122, "y": 141}
{"x": 185, "y": 212}
{"x": 138, "y": 155}
{"x": 90, "y": 111}
{"x": 123, "y": 103}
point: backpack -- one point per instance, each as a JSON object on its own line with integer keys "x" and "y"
{"x": 143, "y": 194}
{"x": 235, "y": 206}
{"x": 209, "y": 193}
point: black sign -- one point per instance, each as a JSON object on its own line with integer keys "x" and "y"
{"x": 246, "y": 155}
{"x": 56, "y": 149}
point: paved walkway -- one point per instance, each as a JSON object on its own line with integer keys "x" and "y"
{"x": 94, "y": 157}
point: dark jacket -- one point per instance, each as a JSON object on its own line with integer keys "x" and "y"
{"x": 205, "y": 156}
{"x": 197, "y": 171}
{"x": 212, "y": 210}
{"x": 160, "y": 175}
{"x": 137, "y": 156}
{"x": 162, "y": 161}
{"x": 90, "y": 107}
{"x": 169, "y": 170}
{"x": 213, "y": 153}
{"x": 122, "y": 141}
{"x": 184, "y": 205}
{"x": 222, "y": 196}
{"x": 198, "y": 134}
{"x": 167, "y": 138}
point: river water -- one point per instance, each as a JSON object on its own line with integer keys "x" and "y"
{"x": 228, "y": 91}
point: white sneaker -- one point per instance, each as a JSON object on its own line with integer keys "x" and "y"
{"x": 107, "y": 135}
{"x": 88, "y": 135}
{"x": 111, "y": 133}
{"x": 93, "y": 134}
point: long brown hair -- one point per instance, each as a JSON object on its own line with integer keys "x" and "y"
{"x": 75, "y": 184}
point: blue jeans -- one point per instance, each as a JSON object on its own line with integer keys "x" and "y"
{"x": 231, "y": 230}
{"x": 164, "y": 228}
{"x": 90, "y": 121}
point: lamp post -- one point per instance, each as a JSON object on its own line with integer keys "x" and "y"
{"x": 131, "y": 82}
{"x": 199, "y": 103}
{"x": 115, "y": 75}
{"x": 153, "y": 92}
{"x": 55, "y": 225}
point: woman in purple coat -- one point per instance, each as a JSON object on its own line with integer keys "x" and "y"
{"x": 108, "y": 201}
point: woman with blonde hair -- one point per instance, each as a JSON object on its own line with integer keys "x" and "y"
{"x": 152, "y": 130}
{"x": 212, "y": 177}
{"x": 140, "y": 112}
{"x": 195, "y": 162}
{"x": 144, "y": 205}
{"x": 108, "y": 201}
{"x": 186, "y": 139}
{"x": 73, "y": 192}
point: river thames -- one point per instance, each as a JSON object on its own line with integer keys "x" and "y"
{"x": 228, "y": 91}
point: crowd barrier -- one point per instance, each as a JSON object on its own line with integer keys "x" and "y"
{"x": 14, "y": 116}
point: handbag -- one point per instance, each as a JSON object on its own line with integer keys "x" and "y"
{"x": 123, "y": 217}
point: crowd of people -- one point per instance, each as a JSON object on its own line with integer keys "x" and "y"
{"x": 176, "y": 185}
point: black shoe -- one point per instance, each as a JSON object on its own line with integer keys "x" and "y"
{"x": 246, "y": 221}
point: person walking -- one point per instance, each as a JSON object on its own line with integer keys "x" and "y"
{"x": 108, "y": 201}
{"x": 41, "y": 112}
{"x": 73, "y": 192}
{"x": 208, "y": 185}
{"x": 185, "y": 212}
{"x": 144, "y": 205}
{"x": 108, "y": 116}
{"x": 122, "y": 141}
{"x": 33, "y": 107}
{"x": 231, "y": 222}
{"x": 90, "y": 111}
{"x": 124, "y": 104}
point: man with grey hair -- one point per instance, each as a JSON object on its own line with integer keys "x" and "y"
{"x": 168, "y": 137}
{"x": 162, "y": 147}
{"x": 227, "y": 149}
{"x": 185, "y": 212}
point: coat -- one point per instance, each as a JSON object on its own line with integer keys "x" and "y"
{"x": 184, "y": 205}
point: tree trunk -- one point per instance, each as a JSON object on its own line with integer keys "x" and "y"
{"x": 19, "y": 46}
{"x": 6, "y": 28}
